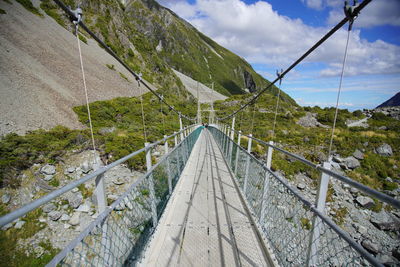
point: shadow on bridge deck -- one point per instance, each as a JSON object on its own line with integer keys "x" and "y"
{"x": 205, "y": 222}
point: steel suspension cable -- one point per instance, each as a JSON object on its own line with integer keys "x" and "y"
{"x": 86, "y": 94}
{"x": 111, "y": 52}
{"x": 338, "y": 94}
{"x": 277, "y": 105}
{"x": 300, "y": 59}
{"x": 143, "y": 119}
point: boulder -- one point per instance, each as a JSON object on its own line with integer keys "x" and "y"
{"x": 301, "y": 186}
{"x": 5, "y": 198}
{"x": 48, "y": 169}
{"x": 385, "y": 221}
{"x": 358, "y": 154}
{"x": 48, "y": 207}
{"x": 75, "y": 200}
{"x": 384, "y": 150}
{"x": 118, "y": 181}
{"x": 85, "y": 207}
{"x": 19, "y": 224}
{"x": 351, "y": 162}
{"x": 48, "y": 177}
{"x": 55, "y": 215}
{"x": 86, "y": 167}
{"x": 65, "y": 217}
{"x": 386, "y": 260}
{"x": 7, "y": 226}
{"x": 71, "y": 170}
{"x": 75, "y": 219}
{"x": 309, "y": 120}
{"x": 106, "y": 130}
{"x": 371, "y": 246}
{"x": 365, "y": 202}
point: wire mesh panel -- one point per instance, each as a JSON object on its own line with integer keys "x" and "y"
{"x": 118, "y": 236}
{"x": 297, "y": 233}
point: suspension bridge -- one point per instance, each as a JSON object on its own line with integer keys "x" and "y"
{"x": 210, "y": 202}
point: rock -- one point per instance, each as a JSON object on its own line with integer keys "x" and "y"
{"x": 85, "y": 167}
{"x": 48, "y": 169}
{"x": 48, "y": 207}
{"x": 75, "y": 219}
{"x": 19, "y": 224}
{"x": 351, "y": 162}
{"x": 354, "y": 191}
{"x": 118, "y": 181}
{"x": 75, "y": 190}
{"x": 396, "y": 253}
{"x": 386, "y": 260}
{"x": 385, "y": 221}
{"x": 337, "y": 159}
{"x": 371, "y": 247}
{"x": 384, "y": 128}
{"x": 358, "y": 154}
{"x": 309, "y": 120}
{"x": 306, "y": 139}
{"x": 48, "y": 177}
{"x": 365, "y": 144}
{"x": 120, "y": 206}
{"x": 7, "y": 226}
{"x": 365, "y": 202}
{"x": 55, "y": 215}
{"x": 106, "y": 130}
{"x": 85, "y": 207}
{"x": 388, "y": 179}
{"x": 301, "y": 186}
{"x": 65, "y": 217}
{"x": 5, "y": 198}
{"x": 71, "y": 170}
{"x": 75, "y": 200}
{"x": 384, "y": 150}
{"x": 39, "y": 251}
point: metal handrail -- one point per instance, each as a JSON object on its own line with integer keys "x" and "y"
{"x": 10, "y": 217}
{"x": 312, "y": 207}
{"x": 369, "y": 191}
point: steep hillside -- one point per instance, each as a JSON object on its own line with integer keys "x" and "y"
{"x": 392, "y": 102}
{"x": 153, "y": 40}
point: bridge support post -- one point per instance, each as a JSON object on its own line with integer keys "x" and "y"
{"x": 175, "y": 139}
{"x": 227, "y": 142}
{"x": 100, "y": 191}
{"x": 237, "y": 152}
{"x": 266, "y": 184}
{"x": 168, "y": 167}
{"x": 180, "y": 127}
{"x": 317, "y": 223}
{"x": 151, "y": 186}
{"x": 246, "y": 177}
{"x": 232, "y": 135}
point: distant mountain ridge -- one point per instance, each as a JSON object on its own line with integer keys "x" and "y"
{"x": 392, "y": 102}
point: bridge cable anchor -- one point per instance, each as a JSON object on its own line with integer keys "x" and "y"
{"x": 350, "y": 12}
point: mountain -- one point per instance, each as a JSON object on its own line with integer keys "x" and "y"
{"x": 154, "y": 40}
{"x": 392, "y": 102}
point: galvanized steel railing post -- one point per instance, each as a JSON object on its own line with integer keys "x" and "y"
{"x": 317, "y": 223}
{"x": 100, "y": 191}
{"x": 175, "y": 139}
{"x": 181, "y": 127}
{"x": 246, "y": 177}
{"x": 232, "y": 135}
{"x": 266, "y": 183}
{"x": 151, "y": 186}
{"x": 168, "y": 167}
{"x": 237, "y": 152}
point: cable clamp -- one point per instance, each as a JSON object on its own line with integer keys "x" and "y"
{"x": 77, "y": 18}
{"x": 350, "y": 12}
{"x": 139, "y": 78}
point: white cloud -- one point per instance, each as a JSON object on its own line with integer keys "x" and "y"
{"x": 261, "y": 35}
{"x": 378, "y": 12}
{"x": 314, "y": 4}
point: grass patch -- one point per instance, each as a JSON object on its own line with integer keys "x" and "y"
{"x": 305, "y": 223}
{"x": 110, "y": 66}
{"x": 82, "y": 38}
{"x": 340, "y": 216}
{"x": 124, "y": 77}
{"x": 29, "y": 6}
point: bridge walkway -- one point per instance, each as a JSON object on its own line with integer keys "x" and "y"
{"x": 205, "y": 222}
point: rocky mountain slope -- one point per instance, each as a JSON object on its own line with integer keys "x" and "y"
{"x": 392, "y": 102}
{"x": 40, "y": 76}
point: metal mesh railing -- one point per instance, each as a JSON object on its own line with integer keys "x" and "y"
{"x": 297, "y": 232}
{"x": 118, "y": 236}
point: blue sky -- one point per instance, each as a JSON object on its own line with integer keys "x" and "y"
{"x": 271, "y": 34}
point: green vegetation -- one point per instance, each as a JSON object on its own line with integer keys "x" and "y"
{"x": 124, "y": 77}
{"x": 305, "y": 223}
{"x": 82, "y": 38}
{"x": 340, "y": 216}
{"x": 13, "y": 255}
{"x": 110, "y": 66}
{"x": 29, "y": 6}
{"x": 2, "y": 11}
